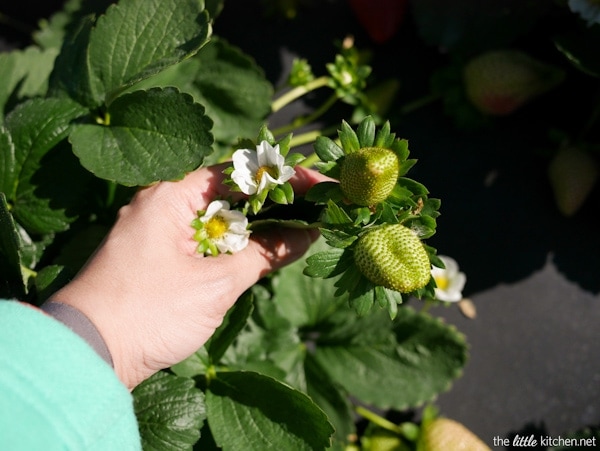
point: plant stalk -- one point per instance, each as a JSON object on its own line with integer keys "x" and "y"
{"x": 298, "y": 92}
{"x": 378, "y": 420}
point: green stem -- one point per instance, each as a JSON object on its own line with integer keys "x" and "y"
{"x": 310, "y": 161}
{"x": 304, "y": 138}
{"x": 111, "y": 190}
{"x": 419, "y": 103}
{"x": 298, "y": 92}
{"x": 305, "y": 120}
{"x": 27, "y": 274}
{"x": 427, "y": 304}
{"x": 378, "y": 420}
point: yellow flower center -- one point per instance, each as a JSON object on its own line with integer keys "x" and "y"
{"x": 216, "y": 227}
{"x": 442, "y": 282}
{"x": 268, "y": 169}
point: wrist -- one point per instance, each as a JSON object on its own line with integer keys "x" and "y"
{"x": 79, "y": 323}
{"x": 101, "y": 313}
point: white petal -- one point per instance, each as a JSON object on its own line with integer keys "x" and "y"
{"x": 213, "y": 208}
{"x": 245, "y": 165}
{"x": 267, "y": 155}
{"x": 447, "y": 295}
{"x": 234, "y": 217}
{"x": 245, "y": 160}
{"x": 286, "y": 173}
{"x": 450, "y": 263}
{"x": 233, "y": 242}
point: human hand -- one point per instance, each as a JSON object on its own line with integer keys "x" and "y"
{"x": 153, "y": 298}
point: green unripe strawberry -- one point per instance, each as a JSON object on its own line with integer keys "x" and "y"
{"x": 573, "y": 174}
{"x": 444, "y": 434}
{"x": 368, "y": 175}
{"x": 499, "y": 82}
{"x": 393, "y": 256}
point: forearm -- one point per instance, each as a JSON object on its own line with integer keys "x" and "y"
{"x": 59, "y": 390}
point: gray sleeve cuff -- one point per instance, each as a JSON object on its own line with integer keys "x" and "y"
{"x": 81, "y": 325}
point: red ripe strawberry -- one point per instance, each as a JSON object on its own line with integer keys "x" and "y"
{"x": 572, "y": 173}
{"x": 380, "y": 18}
{"x": 501, "y": 81}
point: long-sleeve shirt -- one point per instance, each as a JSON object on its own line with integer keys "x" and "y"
{"x": 56, "y": 392}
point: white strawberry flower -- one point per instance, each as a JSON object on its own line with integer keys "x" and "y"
{"x": 257, "y": 171}
{"x": 221, "y": 230}
{"x": 450, "y": 281}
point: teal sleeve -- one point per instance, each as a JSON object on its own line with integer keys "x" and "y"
{"x": 56, "y": 392}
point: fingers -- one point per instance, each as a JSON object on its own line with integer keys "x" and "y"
{"x": 305, "y": 178}
{"x": 280, "y": 246}
{"x": 267, "y": 251}
{"x": 208, "y": 183}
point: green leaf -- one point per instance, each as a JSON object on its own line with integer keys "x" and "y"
{"x": 351, "y": 279}
{"x": 11, "y": 279}
{"x": 196, "y": 364}
{"x": 24, "y": 73}
{"x": 135, "y": 39}
{"x": 250, "y": 411}
{"x": 334, "y": 214}
{"x": 366, "y": 132}
{"x": 362, "y": 294}
{"x": 50, "y": 279}
{"x": 288, "y": 190}
{"x": 348, "y": 138}
{"x": 153, "y": 135}
{"x": 418, "y": 189}
{"x": 170, "y": 412}
{"x": 232, "y": 324}
{"x": 43, "y": 180}
{"x": 228, "y": 83}
{"x": 384, "y": 138}
{"x": 323, "y": 192}
{"x": 72, "y": 75}
{"x": 326, "y": 264}
{"x": 428, "y": 356}
{"x": 334, "y": 403}
{"x": 8, "y": 164}
{"x": 337, "y": 238}
{"x": 302, "y": 300}
{"x": 294, "y": 159}
{"x": 400, "y": 147}
{"x": 265, "y": 134}
{"x": 327, "y": 150}
{"x": 278, "y": 196}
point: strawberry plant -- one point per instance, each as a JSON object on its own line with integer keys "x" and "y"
{"x": 113, "y": 96}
